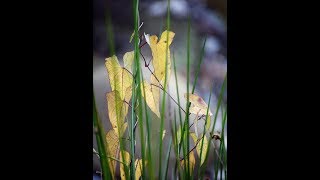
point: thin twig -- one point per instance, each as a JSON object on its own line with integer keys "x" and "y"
{"x": 145, "y": 62}
{"x": 196, "y": 146}
{"x": 198, "y": 119}
{"x": 170, "y": 97}
{"x": 127, "y": 103}
{"x": 128, "y": 71}
{"x": 147, "y": 66}
{"x": 191, "y": 149}
{"x": 142, "y": 45}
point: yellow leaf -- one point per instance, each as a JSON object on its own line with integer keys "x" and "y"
{"x": 198, "y": 106}
{"x": 155, "y": 90}
{"x": 128, "y": 59}
{"x": 112, "y": 149}
{"x": 117, "y": 108}
{"x": 125, "y": 160}
{"x": 120, "y": 78}
{"x": 192, "y": 162}
{"x": 152, "y": 102}
{"x": 123, "y": 129}
{"x": 159, "y": 51}
{"x": 204, "y": 148}
{"x": 163, "y": 38}
{"x": 114, "y": 70}
{"x": 138, "y": 165}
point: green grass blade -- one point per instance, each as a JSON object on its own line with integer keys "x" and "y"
{"x": 164, "y": 94}
{"x": 188, "y": 102}
{"x": 135, "y": 91}
{"x": 195, "y": 80}
{"x": 102, "y": 145}
{"x": 110, "y": 32}
{"x": 224, "y": 152}
{"x": 204, "y": 131}
{"x": 148, "y": 139}
{"x": 199, "y": 65}
{"x": 180, "y": 142}
{"x": 215, "y": 118}
{"x": 167, "y": 159}
{"x": 219, "y": 102}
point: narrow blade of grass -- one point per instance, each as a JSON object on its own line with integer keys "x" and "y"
{"x": 204, "y": 131}
{"x": 215, "y": 119}
{"x": 110, "y": 31}
{"x": 194, "y": 82}
{"x": 148, "y": 140}
{"x": 188, "y": 102}
{"x": 135, "y": 91}
{"x": 219, "y": 102}
{"x": 167, "y": 159}
{"x": 102, "y": 145}
{"x": 223, "y": 148}
{"x": 199, "y": 65}
{"x": 164, "y": 94}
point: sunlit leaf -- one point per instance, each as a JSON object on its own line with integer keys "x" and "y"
{"x": 152, "y": 102}
{"x": 112, "y": 149}
{"x": 155, "y": 89}
{"x": 159, "y": 51}
{"x": 120, "y": 78}
{"x": 199, "y": 142}
{"x": 138, "y": 165}
{"x": 128, "y": 59}
{"x": 198, "y": 106}
{"x": 118, "y": 108}
{"x": 123, "y": 129}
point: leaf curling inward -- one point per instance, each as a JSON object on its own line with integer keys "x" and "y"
{"x": 198, "y": 106}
